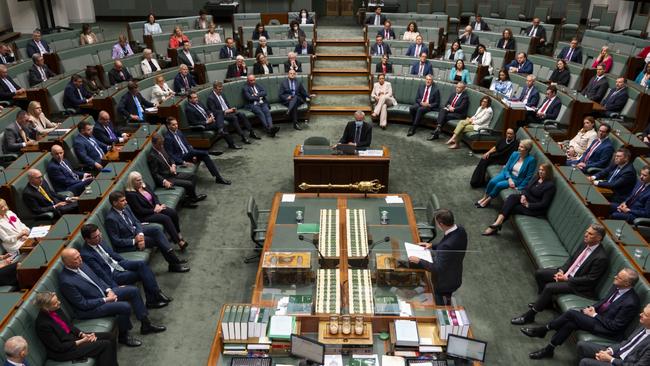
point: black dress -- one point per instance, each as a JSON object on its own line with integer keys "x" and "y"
{"x": 539, "y": 196}
{"x": 503, "y": 151}
{"x": 560, "y": 77}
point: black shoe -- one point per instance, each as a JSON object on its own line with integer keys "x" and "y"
{"x": 215, "y": 153}
{"x": 537, "y": 332}
{"x": 495, "y": 230}
{"x": 130, "y": 341}
{"x": 178, "y": 268}
{"x": 411, "y": 132}
{"x": 434, "y": 136}
{"x": 198, "y": 198}
{"x": 526, "y": 318}
{"x": 234, "y": 147}
{"x": 546, "y": 352}
{"x": 147, "y": 328}
{"x": 245, "y": 140}
{"x": 220, "y": 180}
{"x": 163, "y": 297}
{"x": 254, "y": 136}
{"x": 297, "y": 127}
{"x": 531, "y": 304}
{"x": 156, "y": 305}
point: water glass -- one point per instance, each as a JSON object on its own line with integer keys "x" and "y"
{"x": 383, "y": 219}
{"x": 299, "y": 217}
{"x": 618, "y": 233}
{"x": 638, "y": 253}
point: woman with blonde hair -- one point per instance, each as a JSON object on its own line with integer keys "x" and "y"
{"x": 212, "y": 36}
{"x": 161, "y": 91}
{"x": 13, "y": 232}
{"x": 146, "y": 207}
{"x": 38, "y": 118}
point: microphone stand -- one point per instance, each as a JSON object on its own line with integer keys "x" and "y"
{"x": 314, "y": 242}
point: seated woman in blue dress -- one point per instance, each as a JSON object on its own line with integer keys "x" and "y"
{"x": 516, "y": 174}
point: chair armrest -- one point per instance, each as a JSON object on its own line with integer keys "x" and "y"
{"x": 593, "y": 170}
{"x": 266, "y": 211}
{"x": 425, "y": 226}
{"x": 66, "y": 193}
{"x": 69, "y": 112}
{"x": 641, "y": 221}
{"x": 419, "y": 209}
{"x": 4, "y": 103}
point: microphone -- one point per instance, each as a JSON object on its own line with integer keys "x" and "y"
{"x": 313, "y": 242}
{"x": 27, "y": 159}
{"x": 45, "y": 260}
{"x": 99, "y": 187}
{"x": 619, "y": 231}
{"x": 371, "y": 244}
{"x": 587, "y": 193}
{"x": 573, "y": 169}
{"x": 546, "y": 145}
{"x": 4, "y": 175}
{"x": 67, "y": 226}
{"x": 114, "y": 171}
{"x": 645, "y": 261}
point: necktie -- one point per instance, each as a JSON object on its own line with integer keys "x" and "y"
{"x": 425, "y": 97}
{"x": 198, "y": 108}
{"x": 614, "y": 174}
{"x": 229, "y": 53}
{"x": 224, "y": 106}
{"x": 527, "y": 95}
{"x": 128, "y": 221}
{"x": 69, "y": 170}
{"x": 139, "y": 107}
{"x": 603, "y": 307}
{"x": 180, "y": 144}
{"x": 293, "y": 89}
{"x": 122, "y": 77}
{"x": 23, "y": 135}
{"x": 545, "y": 106}
{"x": 626, "y": 349}
{"x": 421, "y": 71}
{"x": 576, "y": 265}
{"x": 43, "y": 76}
{"x": 10, "y": 85}
{"x": 417, "y": 51}
{"x": 453, "y": 102}
{"x": 44, "y": 194}
{"x": 3, "y": 59}
{"x": 81, "y": 97}
{"x": 40, "y": 47}
{"x": 386, "y": 35}
{"x": 152, "y": 66}
{"x": 186, "y": 82}
{"x": 635, "y": 195}
{"x": 110, "y": 261}
{"x": 189, "y": 57}
{"x": 593, "y": 148}
{"x": 111, "y": 135}
{"x": 383, "y": 68}
{"x": 377, "y": 19}
{"x": 357, "y": 135}
{"x": 468, "y": 40}
{"x": 533, "y": 31}
{"x": 87, "y": 278}
{"x": 99, "y": 151}
{"x": 380, "y": 50}
{"x": 569, "y": 54}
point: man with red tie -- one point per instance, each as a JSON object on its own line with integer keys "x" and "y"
{"x": 578, "y": 275}
{"x": 456, "y": 108}
{"x": 427, "y": 100}
{"x": 387, "y": 32}
{"x": 598, "y": 154}
{"x": 638, "y": 203}
{"x": 183, "y": 81}
{"x": 549, "y": 110}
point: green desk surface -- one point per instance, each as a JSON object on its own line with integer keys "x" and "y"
{"x": 396, "y": 215}
{"x": 24, "y": 160}
{"x": 134, "y": 144}
{"x": 8, "y": 301}
{"x": 144, "y": 131}
{"x": 310, "y": 206}
{"x": 574, "y": 175}
{"x": 116, "y": 169}
{"x": 625, "y": 135}
{"x": 36, "y": 259}
{"x": 8, "y": 175}
{"x": 640, "y": 256}
{"x": 628, "y": 235}
{"x": 97, "y": 188}
{"x": 65, "y": 226}
{"x": 593, "y": 196}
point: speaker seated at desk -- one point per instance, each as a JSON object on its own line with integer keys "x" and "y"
{"x": 357, "y": 132}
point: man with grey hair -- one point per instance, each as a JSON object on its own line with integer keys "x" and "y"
{"x": 357, "y": 132}
{"x": 292, "y": 63}
{"x": 8, "y": 87}
{"x": 16, "y": 351}
{"x": 40, "y": 198}
{"x": 119, "y": 74}
{"x": 37, "y": 45}
{"x": 39, "y": 72}
{"x": 238, "y": 69}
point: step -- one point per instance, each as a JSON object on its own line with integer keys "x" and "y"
{"x": 341, "y": 42}
{"x": 337, "y": 49}
{"x": 341, "y": 89}
{"x": 342, "y": 56}
{"x": 333, "y": 63}
{"x": 339, "y": 110}
{"x": 323, "y": 80}
{"x": 340, "y": 71}
{"x": 340, "y": 98}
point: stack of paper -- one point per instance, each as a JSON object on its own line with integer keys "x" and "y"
{"x": 39, "y": 231}
{"x": 373, "y": 153}
{"x": 406, "y": 333}
{"x": 394, "y": 199}
{"x": 392, "y": 361}
{"x": 288, "y": 197}
{"x": 281, "y": 327}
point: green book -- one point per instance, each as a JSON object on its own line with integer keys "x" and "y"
{"x": 243, "y": 322}
{"x": 224, "y": 323}
{"x": 300, "y": 305}
{"x": 308, "y": 228}
{"x": 236, "y": 320}
{"x": 386, "y": 305}
{"x": 363, "y": 362}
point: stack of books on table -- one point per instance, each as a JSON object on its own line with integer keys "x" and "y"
{"x": 452, "y": 322}
{"x": 244, "y": 323}
{"x": 412, "y": 339}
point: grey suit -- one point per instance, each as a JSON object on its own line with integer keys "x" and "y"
{"x": 13, "y": 141}
{"x": 638, "y": 356}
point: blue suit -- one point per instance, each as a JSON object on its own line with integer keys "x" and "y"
{"x": 417, "y": 110}
{"x": 415, "y": 68}
{"x": 599, "y": 158}
{"x": 500, "y": 181}
{"x": 533, "y": 99}
{"x": 525, "y": 68}
{"x": 223, "y": 53}
{"x": 258, "y": 104}
{"x": 614, "y": 101}
{"x": 11, "y": 364}
{"x": 122, "y": 232}
{"x": 134, "y": 270}
{"x": 576, "y": 56}
{"x": 87, "y": 152}
{"x": 64, "y": 179}
{"x": 32, "y": 47}
{"x": 638, "y": 202}
{"x": 180, "y": 83}
{"x": 177, "y": 155}
{"x": 622, "y": 183}
{"x": 73, "y": 98}
{"x": 551, "y": 112}
{"x": 411, "y": 50}
{"x": 88, "y": 301}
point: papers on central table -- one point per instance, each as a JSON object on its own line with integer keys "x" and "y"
{"x": 287, "y": 197}
{"x": 414, "y": 250}
{"x": 516, "y": 104}
{"x": 373, "y": 153}
{"x": 333, "y": 360}
{"x": 394, "y": 199}
{"x": 152, "y": 109}
{"x": 39, "y": 231}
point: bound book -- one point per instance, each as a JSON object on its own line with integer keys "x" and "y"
{"x": 406, "y": 333}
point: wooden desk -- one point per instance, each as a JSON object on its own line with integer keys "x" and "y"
{"x": 339, "y": 169}
{"x": 94, "y": 192}
{"x": 65, "y": 227}
{"x": 623, "y": 233}
{"x": 37, "y": 261}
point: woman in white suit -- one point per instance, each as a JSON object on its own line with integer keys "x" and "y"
{"x": 148, "y": 63}
{"x": 13, "y": 232}
{"x": 382, "y": 94}
{"x": 480, "y": 119}
{"x": 482, "y": 57}
{"x": 161, "y": 91}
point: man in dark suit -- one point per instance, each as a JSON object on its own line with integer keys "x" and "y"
{"x": 448, "y": 255}
{"x": 39, "y": 72}
{"x": 91, "y": 298}
{"x": 597, "y": 86}
{"x": 537, "y": 30}
{"x": 387, "y": 32}
{"x": 634, "y": 351}
{"x": 468, "y": 37}
{"x": 303, "y": 47}
{"x": 380, "y": 48}
{"x": 133, "y": 105}
{"x": 427, "y": 100}
{"x": 16, "y": 349}
{"x": 529, "y": 94}
{"x": 181, "y": 152}
{"x": 63, "y": 177}
{"x": 128, "y": 234}
{"x": 8, "y": 87}
{"x": 183, "y": 80}
{"x": 456, "y": 108}
{"x": 292, "y": 63}
{"x": 198, "y": 115}
{"x": 293, "y": 95}
{"x": 119, "y": 74}
{"x": 237, "y": 69}
{"x": 255, "y": 96}
{"x": 19, "y": 134}
{"x": 422, "y": 67}
{"x": 609, "y": 317}
{"x": 357, "y": 132}
{"x": 188, "y": 57}
{"x": 578, "y": 275}
{"x": 479, "y": 24}
{"x": 105, "y": 132}
{"x": 75, "y": 95}
{"x": 228, "y": 51}
{"x": 219, "y": 106}
{"x": 637, "y": 204}
{"x": 376, "y": 18}
{"x": 37, "y": 45}
{"x": 89, "y": 151}
{"x": 614, "y": 101}
{"x": 110, "y": 266}
{"x": 6, "y": 54}
{"x": 549, "y": 110}
{"x": 599, "y": 153}
{"x": 520, "y": 65}
{"x": 417, "y": 48}
{"x": 571, "y": 53}
{"x": 40, "y": 198}
{"x": 620, "y": 176}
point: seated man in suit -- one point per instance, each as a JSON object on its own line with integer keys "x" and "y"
{"x": 110, "y": 266}
{"x": 128, "y": 234}
{"x": 571, "y": 53}
{"x": 549, "y": 110}
{"x": 520, "y": 65}
{"x": 119, "y": 74}
{"x": 578, "y": 275}
{"x": 238, "y": 69}
{"x": 219, "y": 106}
{"x": 417, "y": 48}
{"x": 422, "y": 67}
{"x": 537, "y": 30}
{"x": 376, "y": 18}
{"x": 39, "y": 72}
{"x": 184, "y": 81}
{"x": 105, "y": 132}
{"x": 16, "y": 350}
{"x": 75, "y": 95}
{"x": 292, "y": 95}
{"x": 479, "y": 24}
{"x": 292, "y": 63}
{"x": 357, "y": 132}
{"x": 380, "y": 48}
{"x": 448, "y": 255}
{"x": 198, "y": 115}
{"x": 598, "y": 154}
{"x": 19, "y": 134}
{"x": 180, "y": 151}
{"x": 255, "y": 96}
{"x": 37, "y": 45}
{"x": 620, "y": 176}
{"x": 456, "y": 108}
{"x": 637, "y": 204}
{"x": 387, "y": 32}
{"x": 8, "y": 87}
{"x": 91, "y": 298}
{"x": 63, "y": 177}
{"x": 228, "y": 51}
{"x": 188, "y": 57}
{"x": 6, "y": 54}
{"x": 633, "y": 351}
{"x": 40, "y": 198}
{"x": 609, "y": 317}
{"x": 614, "y": 102}
{"x": 263, "y": 47}
{"x": 89, "y": 151}
{"x": 303, "y": 47}
{"x": 468, "y": 37}
{"x": 529, "y": 94}
{"x": 597, "y": 86}
{"x": 132, "y": 104}
{"x": 427, "y": 100}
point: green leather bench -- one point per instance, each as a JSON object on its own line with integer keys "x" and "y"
{"x": 20, "y": 72}
{"x": 58, "y": 41}
{"x": 246, "y": 20}
{"x": 136, "y": 29}
{"x": 17, "y": 187}
{"x": 196, "y": 37}
{"x": 518, "y": 27}
{"x": 204, "y": 52}
{"x": 218, "y": 70}
{"x": 280, "y": 46}
{"x": 431, "y": 20}
{"x": 276, "y": 32}
{"x": 429, "y": 34}
{"x": 441, "y": 69}
{"x": 76, "y": 59}
{"x": 627, "y": 45}
{"x": 543, "y": 66}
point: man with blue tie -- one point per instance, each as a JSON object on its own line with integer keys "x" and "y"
{"x": 91, "y": 297}
{"x": 357, "y": 132}
{"x": 571, "y": 53}
{"x": 620, "y": 176}
{"x": 549, "y": 110}
{"x": 89, "y": 151}
{"x": 219, "y": 106}
{"x": 293, "y": 95}
{"x": 105, "y": 132}
{"x": 198, "y": 115}
{"x": 520, "y": 65}
{"x": 417, "y": 48}
{"x": 255, "y": 96}
{"x": 638, "y": 203}
{"x": 380, "y": 48}
{"x": 529, "y": 94}
{"x": 422, "y": 67}
{"x": 615, "y": 100}
{"x": 132, "y": 105}
{"x": 16, "y": 350}
{"x": 63, "y": 178}
{"x": 427, "y": 100}
{"x": 598, "y": 154}
{"x": 75, "y": 95}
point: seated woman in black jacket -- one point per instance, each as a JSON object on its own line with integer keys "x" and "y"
{"x": 561, "y": 75}
{"x": 64, "y": 342}
{"x": 498, "y": 154}
{"x": 147, "y": 208}
{"x": 534, "y": 200}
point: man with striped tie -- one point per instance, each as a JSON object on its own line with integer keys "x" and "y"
{"x": 598, "y": 154}
{"x": 638, "y": 203}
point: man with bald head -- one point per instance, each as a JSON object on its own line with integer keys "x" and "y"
{"x": 40, "y": 198}
{"x": 105, "y": 132}
{"x": 91, "y": 297}
{"x": 255, "y": 96}
{"x": 119, "y": 73}
{"x": 8, "y": 87}
{"x": 62, "y": 176}
{"x": 16, "y": 351}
